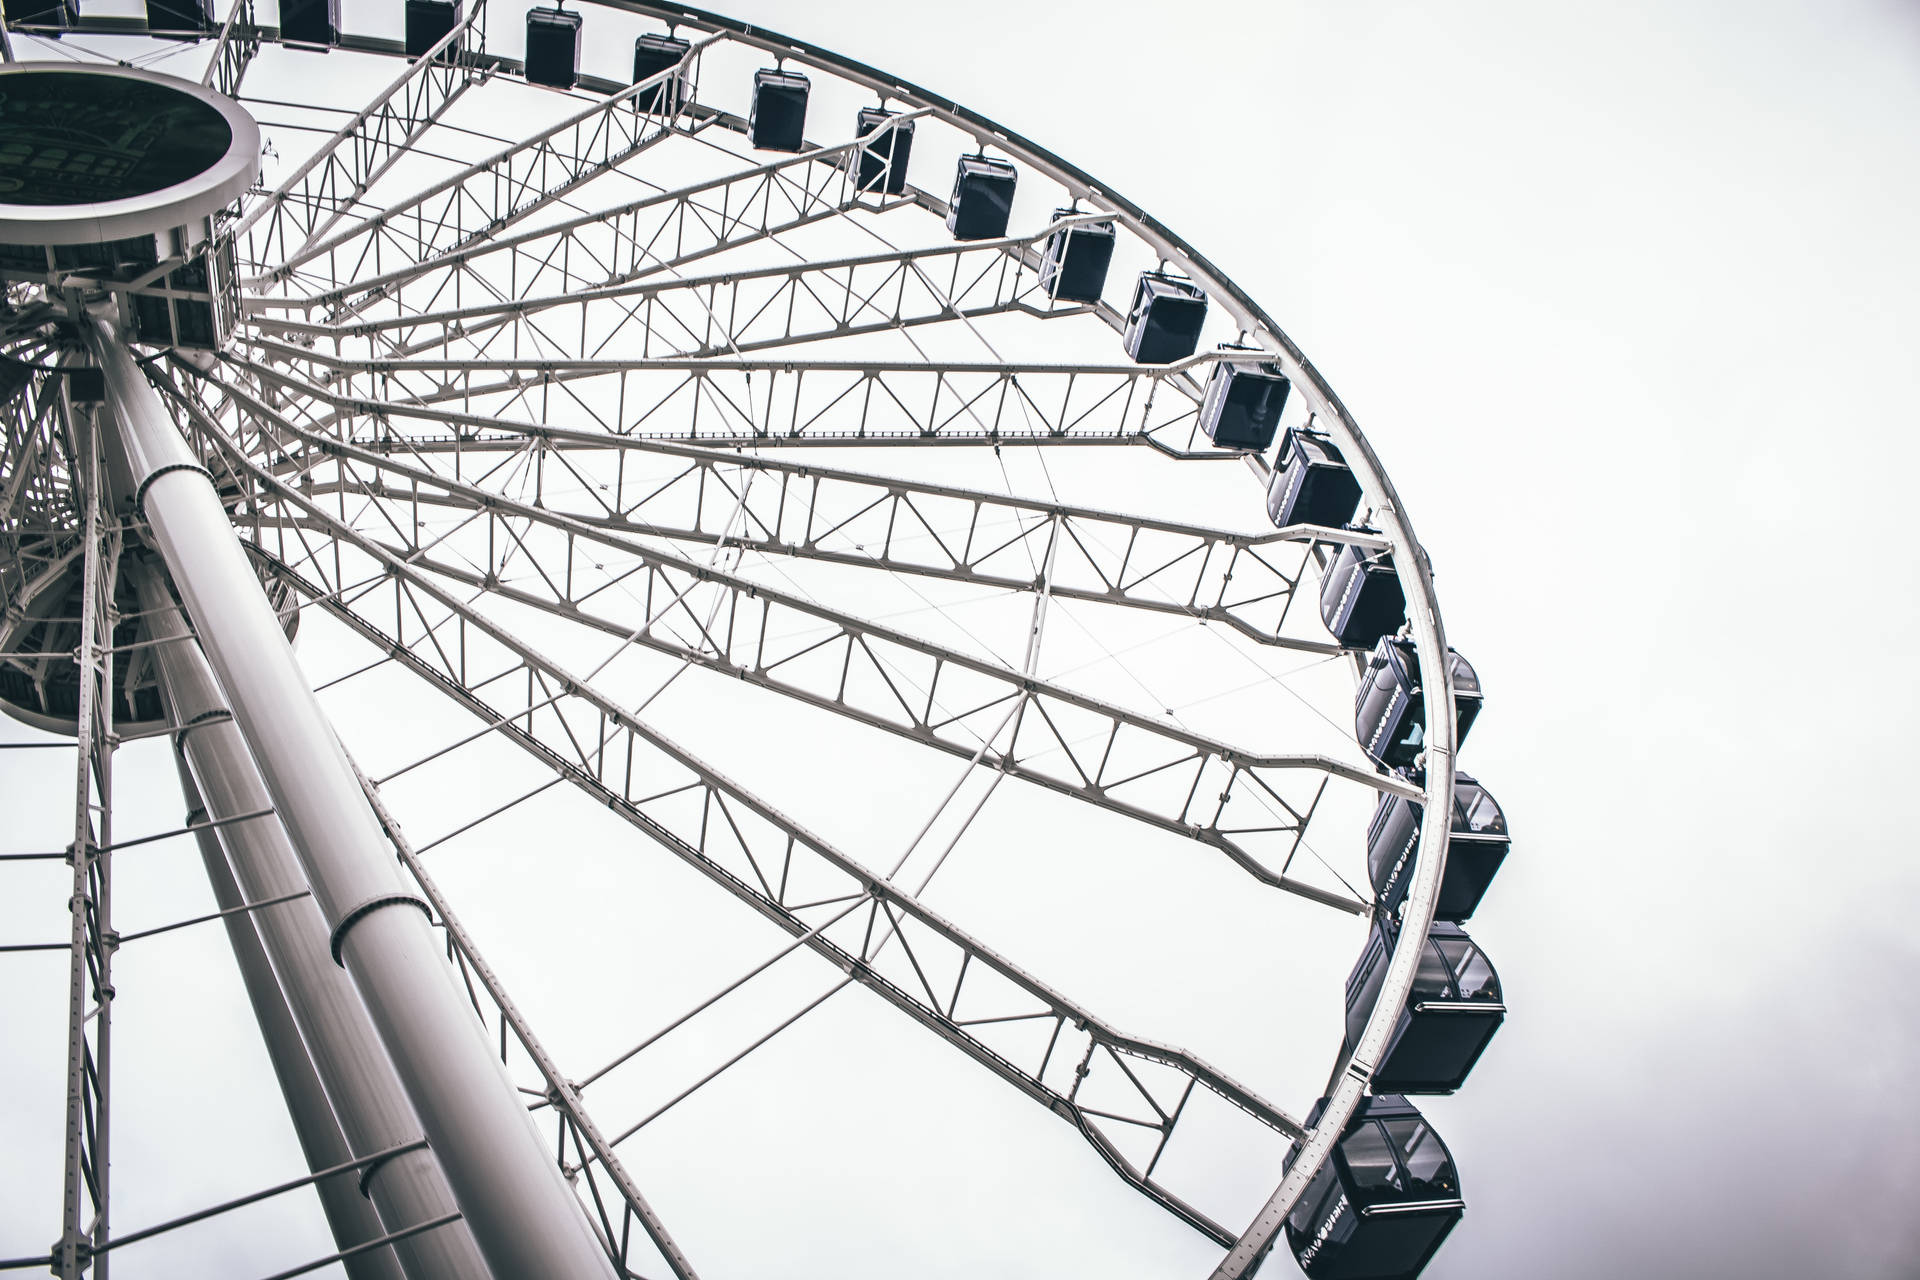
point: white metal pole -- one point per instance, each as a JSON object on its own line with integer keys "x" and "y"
{"x": 349, "y": 1214}
{"x": 336, "y": 1035}
{"x": 520, "y": 1209}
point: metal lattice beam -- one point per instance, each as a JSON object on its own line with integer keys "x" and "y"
{"x": 332, "y": 181}
{"x": 705, "y": 315}
{"x": 1252, "y": 807}
{"x": 973, "y": 537}
{"x": 792, "y": 876}
{"x": 766, "y": 401}
{"x": 488, "y": 197}
{"x": 663, "y": 232}
{"x": 84, "y": 1194}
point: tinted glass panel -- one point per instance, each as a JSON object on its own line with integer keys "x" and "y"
{"x": 1474, "y": 810}
{"x": 1476, "y": 978}
{"x": 1429, "y": 1168}
{"x": 1431, "y": 981}
{"x": 1363, "y": 986}
{"x": 1370, "y": 1159}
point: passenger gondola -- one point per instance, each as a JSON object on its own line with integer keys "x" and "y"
{"x": 1312, "y": 483}
{"x": 1360, "y": 597}
{"x": 1450, "y": 1015}
{"x": 653, "y": 54}
{"x": 179, "y": 17}
{"x": 553, "y": 48}
{"x": 311, "y": 24}
{"x": 1383, "y": 1202}
{"x": 1242, "y": 407}
{"x": 1163, "y": 324}
{"x": 777, "y": 121}
{"x": 1475, "y": 849}
{"x": 883, "y": 161}
{"x": 982, "y": 198}
{"x": 428, "y": 22}
{"x": 1074, "y": 267}
{"x": 1389, "y": 712}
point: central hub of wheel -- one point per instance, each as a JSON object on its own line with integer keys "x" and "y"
{"x": 79, "y": 139}
{"x": 113, "y": 182}
{"x": 90, "y": 155}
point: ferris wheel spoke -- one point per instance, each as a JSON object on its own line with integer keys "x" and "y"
{"x": 339, "y": 173}
{"x": 1049, "y": 1046}
{"x": 25, "y": 575}
{"x": 469, "y": 207}
{"x": 36, "y": 453}
{"x": 853, "y": 518}
{"x": 662, "y": 232}
{"x": 759, "y": 401}
{"x": 970, "y": 536}
{"x": 493, "y": 194}
{"x": 712, "y": 314}
{"x": 85, "y": 1199}
{"x": 1253, "y": 808}
{"x": 233, "y": 49}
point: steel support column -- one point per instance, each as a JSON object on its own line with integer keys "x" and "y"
{"x": 519, "y": 1207}
{"x": 363, "y": 1093}
{"x": 350, "y": 1215}
{"x": 84, "y": 1199}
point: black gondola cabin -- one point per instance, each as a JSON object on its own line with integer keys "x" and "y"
{"x": 428, "y": 22}
{"x": 982, "y": 198}
{"x": 1243, "y": 404}
{"x": 1360, "y": 597}
{"x": 1383, "y": 1202}
{"x": 883, "y": 161}
{"x": 183, "y": 16}
{"x": 653, "y": 55}
{"x": 1074, "y": 268}
{"x": 553, "y": 48}
{"x": 1450, "y": 1015}
{"x": 1312, "y": 483}
{"x": 777, "y": 121}
{"x": 1389, "y": 712}
{"x": 315, "y": 23}
{"x": 1163, "y": 324}
{"x": 1476, "y": 847}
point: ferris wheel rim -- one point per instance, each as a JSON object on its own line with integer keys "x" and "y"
{"x": 1409, "y": 557}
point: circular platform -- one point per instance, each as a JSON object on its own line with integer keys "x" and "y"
{"x": 91, "y": 154}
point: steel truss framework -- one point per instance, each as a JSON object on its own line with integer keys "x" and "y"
{"x": 486, "y": 389}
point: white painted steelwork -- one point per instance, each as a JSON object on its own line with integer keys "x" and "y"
{"x": 514, "y": 1201}
{"x": 350, "y": 1215}
{"x": 398, "y": 358}
{"x": 363, "y": 1097}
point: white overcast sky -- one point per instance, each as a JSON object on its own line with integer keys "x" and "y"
{"x": 1624, "y": 296}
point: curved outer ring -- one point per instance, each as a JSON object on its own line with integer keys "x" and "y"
{"x": 1410, "y": 561}
{"x": 214, "y": 187}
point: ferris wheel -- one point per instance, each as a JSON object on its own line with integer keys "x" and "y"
{"x": 773, "y": 554}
